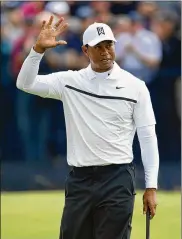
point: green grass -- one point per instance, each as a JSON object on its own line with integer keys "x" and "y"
{"x": 36, "y": 215}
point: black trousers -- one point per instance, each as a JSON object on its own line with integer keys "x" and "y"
{"x": 99, "y": 202}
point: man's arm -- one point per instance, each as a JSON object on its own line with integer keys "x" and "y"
{"x": 150, "y": 158}
{"x": 151, "y": 53}
{"x": 120, "y": 46}
{"x": 149, "y": 61}
{"x": 47, "y": 86}
{"x": 28, "y": 79}
{"x": 150, "y": 155}
{"x": 145, "y": 122}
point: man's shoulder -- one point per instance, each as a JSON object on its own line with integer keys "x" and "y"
{"x": 147, "y": 35}
{"x": 71, "y": 77}
{"x": 77, "y": 72}
{"x": 131, "y": 79}
{"x": 71, "y": 73}
{"x": 132, "y": 84}
{"x": 123, "y": 36}
{"x": 82, "y": 71}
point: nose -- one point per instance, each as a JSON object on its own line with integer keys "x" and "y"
{"x": 104, "y": 51}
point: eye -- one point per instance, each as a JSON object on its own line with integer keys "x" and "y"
{"x": 109, "y": 45}
{"x": 97, "y": 47}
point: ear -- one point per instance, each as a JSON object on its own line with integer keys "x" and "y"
{"x": 85, "y": 50}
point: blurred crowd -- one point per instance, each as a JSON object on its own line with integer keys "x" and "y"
{"x": 148, "y": 45}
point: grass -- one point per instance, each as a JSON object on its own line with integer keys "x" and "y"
{"x": 36, "y": 215}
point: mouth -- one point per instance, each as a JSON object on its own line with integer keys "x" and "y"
{"x": 106, "y": 60}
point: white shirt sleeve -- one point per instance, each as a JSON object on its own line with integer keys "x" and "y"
{"x": 119, "y": 48}
{"x": 152, "y": 47}
{"x": 47, "y": 86}
{"x": 143, "y": 114}
{"x": 150, "y": 156}
{"x": 123, "y": 40}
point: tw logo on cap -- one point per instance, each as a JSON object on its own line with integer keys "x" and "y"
{"x": 100, "y": 31}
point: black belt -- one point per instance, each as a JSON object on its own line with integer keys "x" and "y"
{"x": 99, "y": 168}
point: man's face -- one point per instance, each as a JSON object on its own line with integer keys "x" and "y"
{"x": 164, "y": 29}
{"x": 101, "y": 56}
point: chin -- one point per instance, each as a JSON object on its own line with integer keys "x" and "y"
{"x": 107, "y": 65}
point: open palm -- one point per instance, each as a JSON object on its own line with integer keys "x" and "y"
{"x": 49, "y": 32}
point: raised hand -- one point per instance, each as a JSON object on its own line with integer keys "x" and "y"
{"x": 48, "y": 34}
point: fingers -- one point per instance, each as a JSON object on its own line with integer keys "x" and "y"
{"x": 152, "y": 208}
{"x": 149, "y": 206}
{"x": 50, "y": 21}
{"x": 61, "y": 43}
{"x": 59, "y": 22}
{"x": 63, "y": 27}
{"x": 57, "y": 43}
{"x": 50, "y": 32}
{"x": 59, "y": 27}
{"x": 48, "y": 24}
{"x": 145, "y": 206}
{"x": 43, "y": 24}
{"x": 152, "y": 212}
{"x": 150, "y": 202}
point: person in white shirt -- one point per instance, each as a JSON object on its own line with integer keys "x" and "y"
{"x": 139, "y": 50}
{"x": 103, "y": 106}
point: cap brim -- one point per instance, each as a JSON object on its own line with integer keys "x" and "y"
{"x": 96, "y": 41}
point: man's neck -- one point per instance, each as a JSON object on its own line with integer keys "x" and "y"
{"x": 95, "y": 69}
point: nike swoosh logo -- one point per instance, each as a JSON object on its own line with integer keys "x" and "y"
{"x": 119, "y": 87}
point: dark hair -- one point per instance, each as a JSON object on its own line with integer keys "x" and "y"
{"x": 167, "y": 16}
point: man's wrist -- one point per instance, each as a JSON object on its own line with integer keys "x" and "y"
{"x": 38, "y": 49}
{"x": 151, "y": 189}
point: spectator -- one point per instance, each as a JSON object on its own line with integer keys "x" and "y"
{"x": 23, "y": 102}
{"x": 123, "y": 7}
{"x": 59, "y": 9}
{"x": 147, "y": 9}
{"x": 164, "y": 25}
{"x": 123, "y": 25}
{"x": 9, "y": 138}
{"x": 174, "y": 6}
{"x": 11, "y": 29}
{"x": 102, "y": 11}
{"x": 74, "y": 5}
{"x": 13, "y": 21}
{"x": 31, "y": 9}
{"x": 139, "y": 50}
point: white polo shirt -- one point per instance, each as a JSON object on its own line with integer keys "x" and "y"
{"x": 101, "y": 115}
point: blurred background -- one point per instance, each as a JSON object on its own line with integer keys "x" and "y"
{"x": 32, "y": 129}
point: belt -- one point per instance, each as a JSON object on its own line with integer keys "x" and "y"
{"x": 99, "y": 168}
